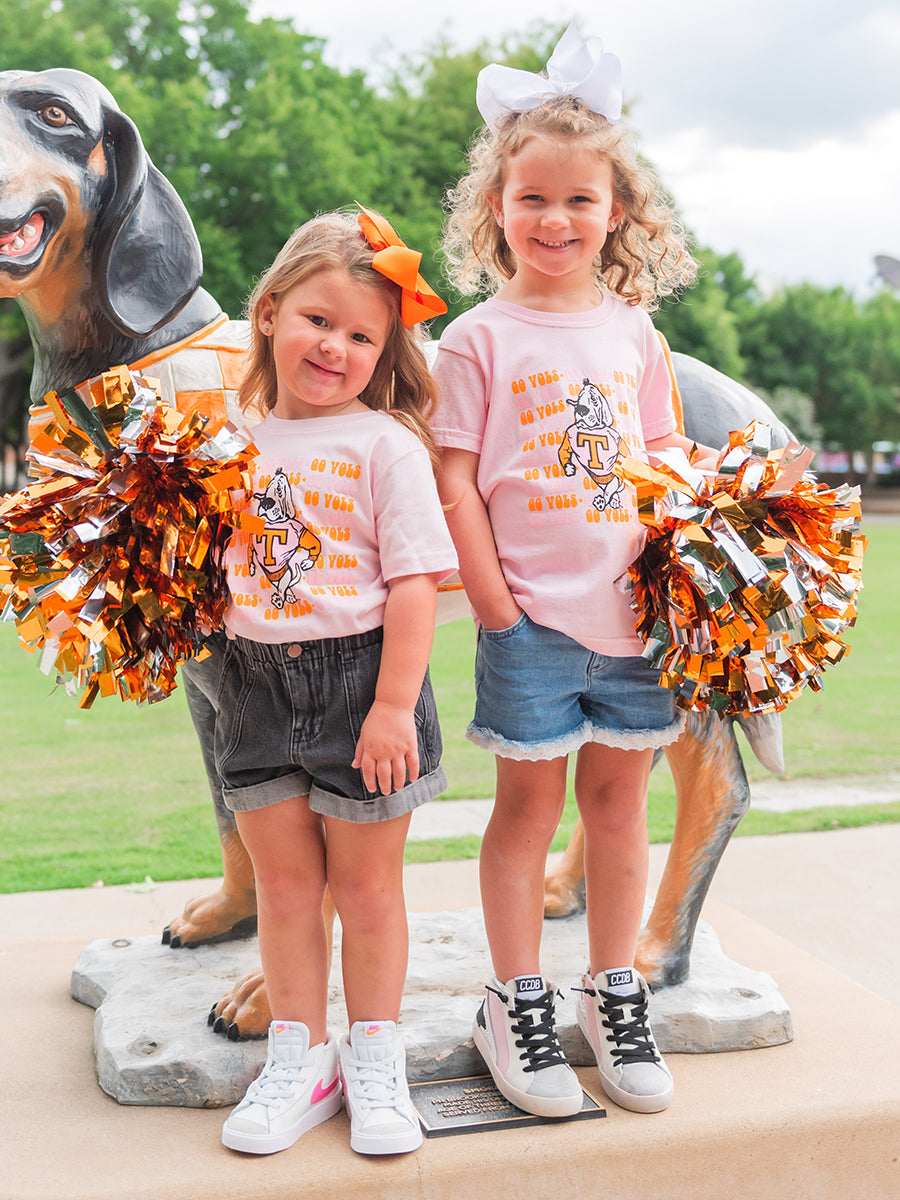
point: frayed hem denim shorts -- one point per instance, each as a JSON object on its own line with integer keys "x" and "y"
{"x": 289, "y": 718}
{"x": 540, "y": 695}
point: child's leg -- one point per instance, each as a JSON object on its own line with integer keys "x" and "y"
{"x": 299, "y": 1086}
{"x": 365, "y": 874}
{"x": 514, "y": 1028}
{"x": 285, "y": 842}
{"x": 611, "y": 790}
{"x": 528, "y": 805}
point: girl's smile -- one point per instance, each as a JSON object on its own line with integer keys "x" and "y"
{"x": 327, "y": 336}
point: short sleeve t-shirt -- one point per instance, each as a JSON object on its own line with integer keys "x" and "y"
{"x": 550, "y": 402}
{"x": 341, "y": 506}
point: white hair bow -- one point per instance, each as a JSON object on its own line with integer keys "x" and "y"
{"x": 575, "y": 68}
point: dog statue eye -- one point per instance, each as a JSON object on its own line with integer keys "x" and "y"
{"x": 55, "y": 116}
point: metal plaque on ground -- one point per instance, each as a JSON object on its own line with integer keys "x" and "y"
{"x": 473, "y": 1105}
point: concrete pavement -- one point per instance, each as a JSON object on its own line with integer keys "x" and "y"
{"x": 811, "y": 1120}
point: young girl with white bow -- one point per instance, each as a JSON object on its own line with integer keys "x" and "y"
{"x": 543, "y": 387}
{"x": 327, "y": 735}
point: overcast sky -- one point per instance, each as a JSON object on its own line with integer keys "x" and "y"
{"x": 776, "y": 123}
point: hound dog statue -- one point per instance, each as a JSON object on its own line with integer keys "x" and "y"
{"x": 101, "y": 255}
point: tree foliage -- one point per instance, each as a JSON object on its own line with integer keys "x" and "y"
{"x": 258, "y": 132}
{"x": 700, "y": 321}
{"x": 797, "y": 411}
{"x": 843, "y": 354}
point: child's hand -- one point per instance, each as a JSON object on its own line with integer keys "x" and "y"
{"x": 387, "y": 748}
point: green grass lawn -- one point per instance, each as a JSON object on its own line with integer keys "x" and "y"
{"x": 117, "y": 793}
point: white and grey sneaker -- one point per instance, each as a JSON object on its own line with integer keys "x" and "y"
{"x": 298, "y": 1088}
{"x": 515, "y": 1033}
{"x": 612, "y": 1015}
{"x": 373, "y": 1066}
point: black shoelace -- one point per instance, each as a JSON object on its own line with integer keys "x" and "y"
{"x": 536, "y": 1032}
{"x": 632, "y": 1037}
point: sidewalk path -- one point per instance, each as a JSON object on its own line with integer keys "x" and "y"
{"x": 456, "y": 818}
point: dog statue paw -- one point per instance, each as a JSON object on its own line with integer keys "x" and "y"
{"x": 217, "y": 917}
{"x": 243, "y": 1012}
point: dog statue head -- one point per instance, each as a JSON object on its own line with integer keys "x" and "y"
{"x": 91, "y": 233}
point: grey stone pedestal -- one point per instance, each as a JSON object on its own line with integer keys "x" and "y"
{"x": 153, "y": 1046}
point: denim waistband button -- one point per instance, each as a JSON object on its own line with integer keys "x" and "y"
{"x": 294, "y": 651}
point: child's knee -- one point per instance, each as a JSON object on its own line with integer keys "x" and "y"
{"x": 612, "y": 810}
{"x": 531, "y": 815}
{"x": 368, "y": 901}
{"x": 289, "y": 891}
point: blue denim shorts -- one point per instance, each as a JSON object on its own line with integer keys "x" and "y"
{"x": 540, "y": 695}
{"x": 289, "y": 717}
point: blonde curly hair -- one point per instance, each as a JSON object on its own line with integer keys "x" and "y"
{"x": 401, "y": 383}
{"x": 644, "y": 259}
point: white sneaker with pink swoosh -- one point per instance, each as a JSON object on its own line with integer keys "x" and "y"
{"x": 298, "y": 1088}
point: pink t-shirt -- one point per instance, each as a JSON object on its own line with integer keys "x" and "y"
{"x": 349, "y": 503}
{"x": 549, "y": 401}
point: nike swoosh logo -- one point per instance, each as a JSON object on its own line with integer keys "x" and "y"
{"x": 320, "y": 1092}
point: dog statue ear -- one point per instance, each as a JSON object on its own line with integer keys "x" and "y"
{"x": 147, "y": 259}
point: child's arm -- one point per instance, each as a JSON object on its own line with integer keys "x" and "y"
{"x": 706, "y": 455}
{"x": 470, "y": 527}
{"x": 388, "y": 746}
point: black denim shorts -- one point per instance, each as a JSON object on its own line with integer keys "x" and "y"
{"x": 289, "y": 718}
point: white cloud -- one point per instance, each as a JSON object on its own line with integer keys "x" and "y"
{"x": 761, "y": 72}
{"x": 819, "y": 214}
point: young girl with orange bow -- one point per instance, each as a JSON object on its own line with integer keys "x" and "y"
{"x": 327, "y": 736}
{"x": 543, "y": 387}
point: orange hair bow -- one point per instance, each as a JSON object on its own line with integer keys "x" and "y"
{"x": 397, "y": 262}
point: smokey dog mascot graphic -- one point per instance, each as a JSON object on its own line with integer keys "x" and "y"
{"x": 286, "y": 548}
{"x": 592, "y": 443}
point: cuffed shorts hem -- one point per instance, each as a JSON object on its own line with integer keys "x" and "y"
{"x": 270, "y": 791}
{"x": 331, "y": 804}
{"x": 379, "y": 808}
